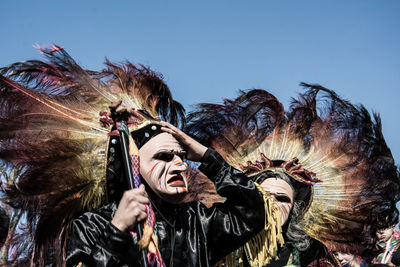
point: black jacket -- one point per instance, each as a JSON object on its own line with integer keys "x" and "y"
{"x": 189, "y": 234}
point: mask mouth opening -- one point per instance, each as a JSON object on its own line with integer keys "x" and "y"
{"x": 176, "y": 181}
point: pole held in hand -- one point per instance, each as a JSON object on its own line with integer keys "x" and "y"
{"x": 122, "y": 128}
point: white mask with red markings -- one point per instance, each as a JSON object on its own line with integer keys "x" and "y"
{"x": 163, "y": 168}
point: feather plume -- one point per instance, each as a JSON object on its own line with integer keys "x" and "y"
{"x": 50, "y": 127}
{"x": 338, "y": 141}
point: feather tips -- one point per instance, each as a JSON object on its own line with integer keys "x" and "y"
{"x": 337, "y": 140}
{"x": 51, "y": 129}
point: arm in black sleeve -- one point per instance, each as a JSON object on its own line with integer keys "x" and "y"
{"x": 94, "y": 241}
{"x": 231, "y": 224}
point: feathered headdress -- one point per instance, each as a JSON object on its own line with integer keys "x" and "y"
{"x": 55, "y": 128}
{"x": 322, "y": 141}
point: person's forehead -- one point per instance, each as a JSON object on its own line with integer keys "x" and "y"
{"x": 276, "y": 185}
{"x": 276, "y": 182}
{"x": 163, "y": 141}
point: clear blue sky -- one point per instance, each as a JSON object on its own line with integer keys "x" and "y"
{"x": 207, "y": 50}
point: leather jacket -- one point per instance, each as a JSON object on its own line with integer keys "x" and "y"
{"x": 189, "y": 233}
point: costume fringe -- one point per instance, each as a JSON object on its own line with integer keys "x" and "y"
{"x": 144, "y": 242}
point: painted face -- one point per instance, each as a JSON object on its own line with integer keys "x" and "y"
{"x": 162, "y": 166}
{"x": 283, "y": 194}
{"x": 344, "y": 258}
{"x": 385, "y": 234}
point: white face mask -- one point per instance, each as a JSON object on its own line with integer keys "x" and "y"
{"x": 162, "y": 167}
{"x": 283, "y": 194}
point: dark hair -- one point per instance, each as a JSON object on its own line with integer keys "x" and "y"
{"x": 386, "y": 220}
{"x": 295, "y": 235}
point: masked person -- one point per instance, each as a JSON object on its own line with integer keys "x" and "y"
{"x": 74, "y": 190}
{"x": 350, "y": 260}
{"x": 324, "y": 163}
{"x": 387, "y": 242}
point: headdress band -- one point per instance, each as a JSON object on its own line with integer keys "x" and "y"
{"x": 290, "y": 167}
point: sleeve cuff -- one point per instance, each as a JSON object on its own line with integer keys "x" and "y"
{"x": 116, "y": 240}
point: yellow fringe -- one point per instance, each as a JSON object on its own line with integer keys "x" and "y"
{"x": 146, "y": 237}
{"x": 264, "y": 246}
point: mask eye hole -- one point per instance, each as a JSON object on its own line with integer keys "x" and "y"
{"x": 168, "y": 156}
{"x": 282, "y": 198}
{"x": 164, "y": 156}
